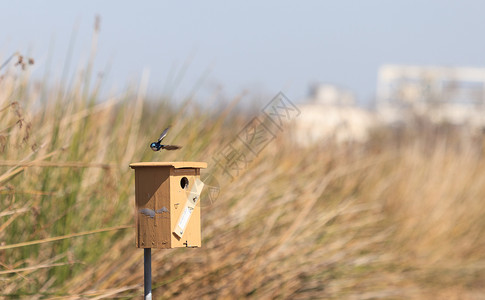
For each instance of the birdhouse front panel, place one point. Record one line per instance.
(185, 217)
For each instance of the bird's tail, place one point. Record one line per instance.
(171, 147)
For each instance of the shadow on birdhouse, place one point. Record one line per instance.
(167, 198)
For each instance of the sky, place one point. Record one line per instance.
(262, 47)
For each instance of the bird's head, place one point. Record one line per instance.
(154, 146)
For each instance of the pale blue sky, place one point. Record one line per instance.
(261, 46)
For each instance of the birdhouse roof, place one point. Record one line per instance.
(173, 164)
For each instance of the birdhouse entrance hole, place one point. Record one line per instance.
(184, 183)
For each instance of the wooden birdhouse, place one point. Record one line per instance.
(167, 204)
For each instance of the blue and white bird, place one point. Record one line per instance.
(157, 146)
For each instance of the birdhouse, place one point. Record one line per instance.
(167, 204)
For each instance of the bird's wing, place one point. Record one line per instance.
(171, 147)
(164, 134)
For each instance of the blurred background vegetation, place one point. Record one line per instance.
(399, 216)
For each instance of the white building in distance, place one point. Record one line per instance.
(331, 114)
(441, 94)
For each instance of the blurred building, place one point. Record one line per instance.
(329, 94)
(441, 94)
(330, 113)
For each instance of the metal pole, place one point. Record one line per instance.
(147, 260)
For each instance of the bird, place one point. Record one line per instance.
(157, 146)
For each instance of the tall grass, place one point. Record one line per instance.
(401, 216)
